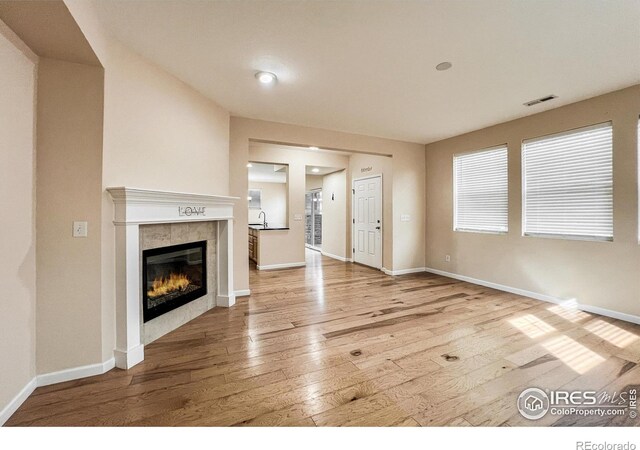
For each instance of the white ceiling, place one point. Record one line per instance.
(368, 67)
(267, 173)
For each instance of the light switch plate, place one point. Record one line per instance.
(80, 229)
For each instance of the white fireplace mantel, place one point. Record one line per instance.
(135, 207)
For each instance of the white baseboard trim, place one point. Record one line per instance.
(75, 373)
(243, 293)
(339, 258)
(129, 358)
(609, 313)
(226, 301)
(500, 287)
(18, 400)
(402, 271)
(282, 266)
(545, 298)
(47, 379)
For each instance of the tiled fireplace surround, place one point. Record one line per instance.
(164, 235)
(146, 219)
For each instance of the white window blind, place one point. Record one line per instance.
(480, 191)
(568, 184)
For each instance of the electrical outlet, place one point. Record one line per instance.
(80, 229)
(447, 258)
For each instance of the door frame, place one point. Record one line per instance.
(310, 246)
(353, 220)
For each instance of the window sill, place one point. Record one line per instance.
(569, 237)
(465, 230)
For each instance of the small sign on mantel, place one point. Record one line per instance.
(192, 211)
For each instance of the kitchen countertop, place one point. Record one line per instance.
(260, 227)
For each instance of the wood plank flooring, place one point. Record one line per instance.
(340, 344)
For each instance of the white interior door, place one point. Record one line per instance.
(367, 209)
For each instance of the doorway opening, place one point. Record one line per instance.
(268, 209)
(325, 207)
(313, 219)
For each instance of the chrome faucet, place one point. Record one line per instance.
(262, 213)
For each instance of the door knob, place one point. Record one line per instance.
(377, 228)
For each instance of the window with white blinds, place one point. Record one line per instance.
(568, 184)
(480, 191)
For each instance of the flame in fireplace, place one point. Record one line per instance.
(165, 285)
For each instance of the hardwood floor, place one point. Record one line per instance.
(341, 344)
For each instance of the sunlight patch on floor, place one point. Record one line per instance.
(611, 333)
(531, 326)
(571, 314)
(575, 355)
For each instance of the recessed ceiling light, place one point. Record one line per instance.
(315, 170)
(313, 147)
(249, 165)
(266, 77)
(444, 66)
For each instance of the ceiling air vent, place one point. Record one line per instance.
(540, 100)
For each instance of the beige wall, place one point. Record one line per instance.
(313, 182)
(276, 247)
(597, 274)
(69, 165)
(335, 215)
(159, 133)
(274, 204)
(407, 186)
(17, 220)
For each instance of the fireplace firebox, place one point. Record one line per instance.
(172, 276)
